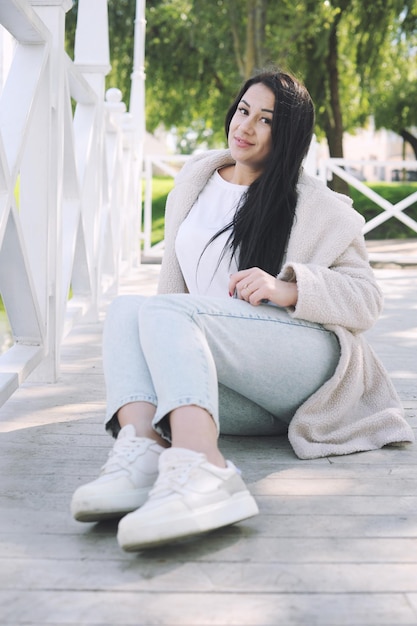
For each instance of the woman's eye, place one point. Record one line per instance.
(266, 120)
(243, 110)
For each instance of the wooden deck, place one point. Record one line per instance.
(335, 543)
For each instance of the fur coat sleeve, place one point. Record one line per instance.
(358, 408)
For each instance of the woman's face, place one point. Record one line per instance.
(250, 132)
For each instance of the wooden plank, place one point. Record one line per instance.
(233, 545)
(111, 608)
(170, 576)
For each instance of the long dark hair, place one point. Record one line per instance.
(263, 221)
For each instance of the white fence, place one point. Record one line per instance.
(70, 164)
(340, 167)
(323, 169)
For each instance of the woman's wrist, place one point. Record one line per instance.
(287, 294)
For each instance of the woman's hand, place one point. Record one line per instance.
(257, 287)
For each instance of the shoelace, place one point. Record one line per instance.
(174, 478)
(122, 453)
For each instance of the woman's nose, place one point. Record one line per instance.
(247, 124)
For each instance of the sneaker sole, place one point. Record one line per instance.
(99, 508)
(133, 536)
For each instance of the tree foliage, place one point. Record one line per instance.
(189, 64)
(198, 53)
(393, 99)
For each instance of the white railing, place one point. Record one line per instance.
(76, 223)
(336, 166)
(323, 169)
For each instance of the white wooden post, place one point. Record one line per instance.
(24, 105)
(137, 106)
(41, 188)
(137, 92)
(91, 58)
(113, 223)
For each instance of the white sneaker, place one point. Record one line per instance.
(124, 481)
(190, 496)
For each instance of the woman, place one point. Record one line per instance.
(267, 292)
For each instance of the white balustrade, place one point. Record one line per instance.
(323, 169)
(340, 167)
(76, 225)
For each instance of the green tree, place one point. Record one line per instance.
(393, 100)
(338, 47)
(186, 83)
(341, 49)
(198, 52)
(247, 24)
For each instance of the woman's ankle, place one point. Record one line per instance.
(193, 428)
(140, 416)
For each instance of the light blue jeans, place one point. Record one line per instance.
(249, 367)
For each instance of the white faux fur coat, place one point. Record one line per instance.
(358, 408)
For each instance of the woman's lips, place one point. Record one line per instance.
(241, 143)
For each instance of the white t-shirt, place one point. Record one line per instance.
(213, 209)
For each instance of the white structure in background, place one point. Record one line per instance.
(373, 156)
(76, 225)
(375, 146)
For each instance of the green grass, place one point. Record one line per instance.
(161, 186)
